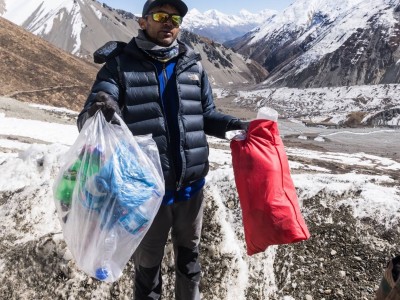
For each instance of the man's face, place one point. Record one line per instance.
(162, 34)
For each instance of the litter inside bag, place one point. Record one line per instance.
(107, 195)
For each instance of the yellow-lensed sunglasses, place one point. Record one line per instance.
(164, 17)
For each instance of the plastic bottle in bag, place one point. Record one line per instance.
(91, 165)
(105, 268)
(66, 185)
(91, 162)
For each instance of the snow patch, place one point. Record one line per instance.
(359, 159)
(325, 105)
(97, 12)
(44, 131)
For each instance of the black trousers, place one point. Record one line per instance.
(185, 221)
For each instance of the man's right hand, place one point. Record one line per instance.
(107, 104)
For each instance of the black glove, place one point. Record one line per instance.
(237, 124)
(108, 106)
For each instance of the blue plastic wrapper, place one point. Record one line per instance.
(107, 195)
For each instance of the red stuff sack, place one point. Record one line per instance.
(270, 209)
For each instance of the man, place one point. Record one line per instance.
(164, 91)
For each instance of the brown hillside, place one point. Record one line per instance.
(33, 70)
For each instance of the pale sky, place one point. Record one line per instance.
(227, 7)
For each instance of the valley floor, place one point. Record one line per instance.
(348, 187)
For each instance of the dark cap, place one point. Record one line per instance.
(178, 4)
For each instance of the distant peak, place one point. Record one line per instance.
(213, 12)
(194, 11)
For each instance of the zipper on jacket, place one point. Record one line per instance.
(162, 102)
(179, 183)
(182, 155)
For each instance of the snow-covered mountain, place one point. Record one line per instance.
(221, 27)
(328, 43)
(84, 25)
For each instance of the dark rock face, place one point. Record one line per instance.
(369, 55)
(388, 117)
(224, 65)
(356, 62)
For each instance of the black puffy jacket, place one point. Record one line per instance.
(132, 79)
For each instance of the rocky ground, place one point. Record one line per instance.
(343, 259)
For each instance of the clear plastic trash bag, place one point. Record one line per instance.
(107, 194)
